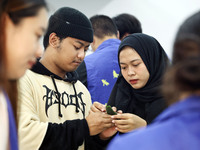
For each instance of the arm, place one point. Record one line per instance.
(101, 140)
(68, 135)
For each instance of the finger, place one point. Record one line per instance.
(123, 127)
(120, 122)
(94, 109)
(119, 111)
(99, 106)
(122, 130)
(114, 109)
(120, 116)
(107, 125)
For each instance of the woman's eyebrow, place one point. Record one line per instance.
(131, 61)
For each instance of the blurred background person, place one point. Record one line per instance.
(22, 24)
(187, 39)
(127, 24)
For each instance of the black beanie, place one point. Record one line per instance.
(69, 22)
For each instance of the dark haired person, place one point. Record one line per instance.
(187, 41)
(22, 24)
(127, 24)
(54, 107)
(99, 71)
(136, 92)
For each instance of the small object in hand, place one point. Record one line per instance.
(109, 110)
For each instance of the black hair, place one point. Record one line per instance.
(103, 26)
(182, 77)
(127, 23)
(187, 41)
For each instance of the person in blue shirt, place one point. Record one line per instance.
(99, 70)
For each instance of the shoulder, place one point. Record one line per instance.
(81, 86)
(31, 78)
(152, 137)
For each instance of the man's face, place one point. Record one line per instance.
(70, 53)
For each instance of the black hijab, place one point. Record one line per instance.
(146, 102)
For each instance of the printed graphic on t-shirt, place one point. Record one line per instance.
(105, 83)
(65, 100)
(115, 75)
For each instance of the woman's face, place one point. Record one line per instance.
(133, 68)
(22, 43)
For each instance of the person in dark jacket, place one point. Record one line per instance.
(142, 62)
(54, 107)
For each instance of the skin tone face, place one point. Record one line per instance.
(133, 68)
(22, 42)
(68, 54)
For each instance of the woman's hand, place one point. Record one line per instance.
(127, 122)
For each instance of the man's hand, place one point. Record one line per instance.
(98, 122)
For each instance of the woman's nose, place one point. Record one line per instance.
(39, 52)
(131, 71)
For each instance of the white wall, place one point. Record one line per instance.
(159, 18)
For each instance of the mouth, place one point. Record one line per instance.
(31, 63)
(77, 62)
(134, 81)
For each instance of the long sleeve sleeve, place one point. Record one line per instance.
(68, 135)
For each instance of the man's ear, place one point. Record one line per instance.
(118, 34)
(93, 44)
(54, 40)
(125, 35)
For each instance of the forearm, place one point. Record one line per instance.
(69, 135)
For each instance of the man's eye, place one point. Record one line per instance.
(123, 68)
(77, 48)
(86, 49)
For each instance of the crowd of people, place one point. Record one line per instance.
(53, 97)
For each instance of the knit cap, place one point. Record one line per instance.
(69, 22)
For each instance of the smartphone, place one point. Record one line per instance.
(109, 110)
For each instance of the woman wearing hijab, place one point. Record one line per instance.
(142, 62)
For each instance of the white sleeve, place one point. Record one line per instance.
(31, 131)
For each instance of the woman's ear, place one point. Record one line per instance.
(125, 35)
(54, 40)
